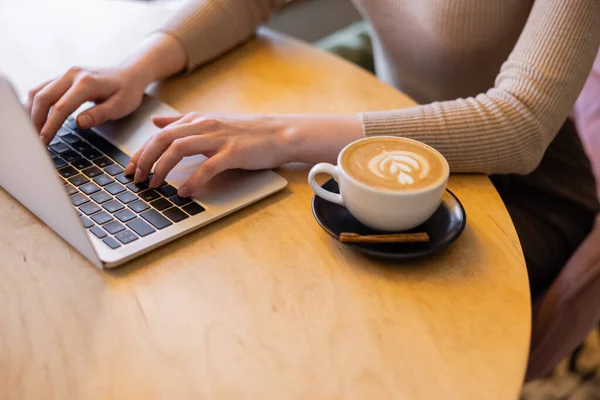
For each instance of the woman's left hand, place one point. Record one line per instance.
(249, 142)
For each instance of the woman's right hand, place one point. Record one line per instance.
(116, 91)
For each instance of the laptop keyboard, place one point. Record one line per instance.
(111, 206)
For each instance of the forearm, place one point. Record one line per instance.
(209, 28)
(158, 57)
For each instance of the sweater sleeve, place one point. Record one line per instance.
(508, 128)
(208, 28)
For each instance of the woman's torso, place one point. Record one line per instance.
(436, 50)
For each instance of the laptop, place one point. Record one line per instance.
(77, 187)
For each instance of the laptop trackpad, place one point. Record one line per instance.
(229, 189)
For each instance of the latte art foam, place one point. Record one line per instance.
(394, 163)
(404, 166)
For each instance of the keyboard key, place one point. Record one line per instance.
(78, 180)
(102, 217)
(126, 236)
(71, 139)
(100, 234)
(113, 170)
(138, 206)
(140, 227)
(113, 206)
(112, 243)
(51, 154)
(125, 215)
(59, 148)
(89, 188)
(127, 197)
(193, 208)
(114, 189)
(79, 199)
(147, 181)
(161, 204)
(156, 219)
(71, 190)
(137, 187)
(104, 146)
(92, 172)
(103, 180)
(82, 163)
(113, 227)
(103, 162)
(89, 208)
(71, 156)
(71, 124)
(125, 179)
(59, 162)
(63, 131)
(54, 141)
(175, 214)
(67, 172)
(101, 197)
(167, 191)
(149, 195)
(86, 222)
(82, 147)
(91, 154)
(180, 201)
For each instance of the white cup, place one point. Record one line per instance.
(380, 209)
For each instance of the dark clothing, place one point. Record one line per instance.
(553, 208)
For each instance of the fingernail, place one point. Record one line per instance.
(84, 121)
(154, 182)
(129, 169)
(184, 191)
(138, 175)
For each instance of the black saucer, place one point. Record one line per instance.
(444, 227)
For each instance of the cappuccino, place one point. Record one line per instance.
(397, 164)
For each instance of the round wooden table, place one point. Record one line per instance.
(263, 304)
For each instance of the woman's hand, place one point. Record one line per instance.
(116, 91)
(249, 142)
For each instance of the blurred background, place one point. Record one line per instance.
(326, 17)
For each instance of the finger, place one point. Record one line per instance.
(179, 149)
(211, 167)
(32, 93)
(46, 97)
(162, 121)
(132, 166)
(100, 113)
(157, 146)
(68, 103)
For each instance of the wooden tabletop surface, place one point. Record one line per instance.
(262, 304)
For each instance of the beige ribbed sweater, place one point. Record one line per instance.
(497, 78)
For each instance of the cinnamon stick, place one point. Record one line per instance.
(420, 237)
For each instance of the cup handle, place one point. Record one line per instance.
(325, 168)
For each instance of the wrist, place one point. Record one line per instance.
(319, 138)
(157, 58)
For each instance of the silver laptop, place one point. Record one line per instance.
(77, 187)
